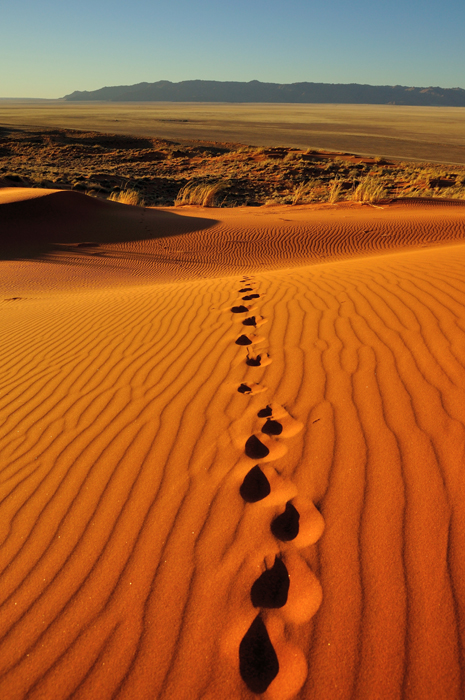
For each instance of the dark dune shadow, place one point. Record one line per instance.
(35, 227)
(271, 589)
(258, 663)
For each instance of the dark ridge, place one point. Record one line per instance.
(244, 389)
(272, 427)
(270, 590)
(255, 486)
(245, 289)
(88, 245)
(250, 297)
(255, 449)
(285, 527)
(249, 321)
(257, 91)
(265, 412)
(254, 361)
(258, 663)
(243, 340)
(239, 309)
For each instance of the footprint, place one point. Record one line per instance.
(278, 414)
(293, 664)
(272, 427)
(281, 491)
(258, 663)
(265, 412)
(244, 389)
(285, 527)
(251, 388)
(254, 321)
(243, 340)
(255, 486)
(259, 361)
(246, 340)
(249, 297)
(245, 289)
(311, 523)
(255, 449)
(305, 592)
(271, 589)
(239, 309)
(265, 448)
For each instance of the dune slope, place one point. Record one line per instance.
(244, 485)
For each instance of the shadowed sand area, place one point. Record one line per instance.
(185, 516)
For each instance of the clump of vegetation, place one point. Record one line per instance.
(302, 192)
(154, 172)
(127, 197)
(369, 190)
(334, 191)
(201, 194)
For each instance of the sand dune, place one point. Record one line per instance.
(183, 515)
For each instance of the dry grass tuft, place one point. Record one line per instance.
(127, 197)
(302, 192)
(369, 190)
(334, 191)
(203, 194)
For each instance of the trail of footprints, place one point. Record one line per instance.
(299, 525)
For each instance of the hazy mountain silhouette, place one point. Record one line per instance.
(255, 91)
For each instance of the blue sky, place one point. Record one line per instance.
(53, 47)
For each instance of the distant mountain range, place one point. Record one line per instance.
(255, 91)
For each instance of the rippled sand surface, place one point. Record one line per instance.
(231, 451)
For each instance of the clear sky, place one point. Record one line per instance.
(49, 48)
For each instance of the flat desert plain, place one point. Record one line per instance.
(433, 134)
(232, 451)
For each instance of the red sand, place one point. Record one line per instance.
(128, 552)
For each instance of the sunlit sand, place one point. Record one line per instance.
(231, 450)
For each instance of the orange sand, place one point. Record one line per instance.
(128, 553)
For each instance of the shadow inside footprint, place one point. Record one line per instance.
(243, 340)
(272, 427)
(250, 296)
(239, 309)
(254, 361)
(285, 527)
(255, 486)
(245, 289)
(249, 321)
(270, 590)
(255, 449)
(244, 389)
(265, 412)
(258, 663)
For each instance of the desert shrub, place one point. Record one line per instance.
(302, 192)
(202, 194)
(334, 192)
(127, 197)
(369, 190)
